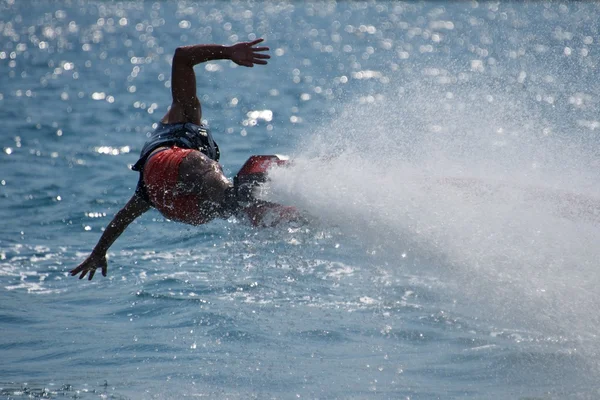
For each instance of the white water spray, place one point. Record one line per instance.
(505, 211)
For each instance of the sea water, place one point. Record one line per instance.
(445, 155)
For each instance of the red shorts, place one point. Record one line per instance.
(161, 177)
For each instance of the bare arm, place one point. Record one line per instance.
(186, 106)
(135, 207)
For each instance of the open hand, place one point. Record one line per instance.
(246, 55)
(90, 265)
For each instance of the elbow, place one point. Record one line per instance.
(181, 56)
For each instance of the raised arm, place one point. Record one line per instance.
(135, 207)
(186, 106)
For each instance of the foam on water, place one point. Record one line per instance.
(472, 187)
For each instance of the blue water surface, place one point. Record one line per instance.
(380, 296)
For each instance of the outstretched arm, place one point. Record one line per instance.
(186, 106)
(135, 207)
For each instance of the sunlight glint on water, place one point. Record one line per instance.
(447, 154)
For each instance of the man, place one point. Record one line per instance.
(179, 171)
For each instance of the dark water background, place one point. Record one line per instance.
(399, 288)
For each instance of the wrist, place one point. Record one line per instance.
(98, 253)
(227, 52)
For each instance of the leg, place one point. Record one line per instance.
(203, 177)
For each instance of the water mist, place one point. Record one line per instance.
(493, 194)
